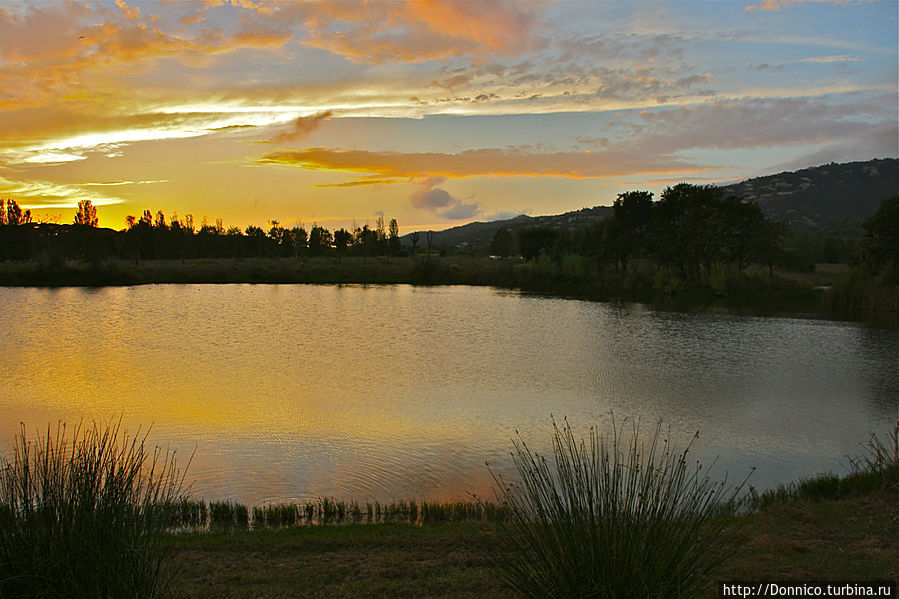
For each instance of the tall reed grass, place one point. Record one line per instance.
(81, 512)
(611, 518)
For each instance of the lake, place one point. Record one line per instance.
(294, 392)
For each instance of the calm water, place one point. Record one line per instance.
(377, 393)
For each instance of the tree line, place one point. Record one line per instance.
(155, 236)
(692, 229)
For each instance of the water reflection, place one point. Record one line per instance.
(381, 393)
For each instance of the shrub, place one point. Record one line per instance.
(610, 519)
(81, 515)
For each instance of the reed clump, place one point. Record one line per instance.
(82, 512)
(611, 518)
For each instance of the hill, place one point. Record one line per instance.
(477, 235)
(832, 198)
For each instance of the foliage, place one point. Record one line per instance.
(11, 214)
(81, 514)
(87, 214)
(882, 237)
(611, 518)
(503, 243)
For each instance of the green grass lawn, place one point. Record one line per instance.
(853, 538)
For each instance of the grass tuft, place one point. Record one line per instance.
(82, 512)
(611, 518)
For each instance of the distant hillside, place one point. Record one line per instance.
(833, 198)
(477, 235)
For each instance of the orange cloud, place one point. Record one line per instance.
(421, 30)
(49, 53)
(502, 26)
(131, 12)
(247, 4)
(777, 5)
(482, 162)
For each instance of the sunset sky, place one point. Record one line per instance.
(434, 112)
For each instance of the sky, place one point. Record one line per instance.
(433, 112)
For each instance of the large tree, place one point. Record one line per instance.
(87, 214)
(631, 225)
(882, 236)
(503, 243)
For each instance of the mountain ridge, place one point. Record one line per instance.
(832, 198)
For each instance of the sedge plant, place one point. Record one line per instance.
(610, 518)
(81, 514)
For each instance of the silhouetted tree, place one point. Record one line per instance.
(320, 241)
(367, 241)
(394, 247)
(881, 243)
(256, 239)
(300, 241)
(342, 238)
(503, 243)
(534, 241)
(380, 236)
(632, 222)
(87, 214)
(15, 215)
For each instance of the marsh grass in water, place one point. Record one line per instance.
(82, 512)
(611, 518)
(329, 511)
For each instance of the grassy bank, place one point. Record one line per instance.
(825, 291)
(823, 528)
(854, 537)
(91, 512)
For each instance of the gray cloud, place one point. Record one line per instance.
(460, 211)
(440, 202)
(756, 123)
(302, 127)
(432, 198)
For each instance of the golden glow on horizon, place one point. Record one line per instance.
(194, 93)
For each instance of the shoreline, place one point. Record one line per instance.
(855, 537)
(823, 294)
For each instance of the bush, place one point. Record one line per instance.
(81, 516)
(611, 519)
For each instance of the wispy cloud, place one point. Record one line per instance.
(482, 162)
(119, 183)
(302, 126)
(830, 59)
(421, 30)
(33, 194)
(778, 5)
